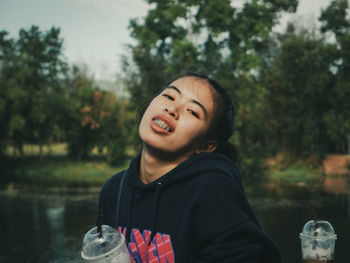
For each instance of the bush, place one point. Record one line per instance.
(116, 151)
(252, 169)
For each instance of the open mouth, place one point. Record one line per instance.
(162, 124)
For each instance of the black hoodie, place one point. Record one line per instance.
(197, 212)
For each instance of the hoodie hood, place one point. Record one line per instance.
(188, 169)
(214, 162)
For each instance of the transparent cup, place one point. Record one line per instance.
(110, 247)
(317, 241)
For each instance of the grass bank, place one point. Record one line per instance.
(284, 170)
(55, 171)
(288, 178)
(296, 174)
(58, 171)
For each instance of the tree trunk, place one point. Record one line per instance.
(2, 149)
(41, 155)
(21, 152)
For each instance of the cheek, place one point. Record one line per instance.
(147, 116)
(150, 108)
(143, 122)
(195, 130)
(148, 111)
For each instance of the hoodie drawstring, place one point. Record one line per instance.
(153, 227)
(119, 195)
(128, 226)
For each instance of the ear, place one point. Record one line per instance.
(210, 146)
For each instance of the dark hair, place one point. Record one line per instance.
(221, 127)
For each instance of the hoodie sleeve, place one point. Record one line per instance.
(243, 244)
(227, 225)
(107, 200)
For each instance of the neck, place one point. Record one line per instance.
(153, 166)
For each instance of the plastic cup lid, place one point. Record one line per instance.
(95, 246)
(322, 230)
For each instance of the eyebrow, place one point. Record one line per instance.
(193, 101)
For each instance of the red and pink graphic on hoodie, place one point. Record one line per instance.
(159, 250)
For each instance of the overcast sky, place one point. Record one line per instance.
(95, 31)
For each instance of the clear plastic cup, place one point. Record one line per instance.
(110, 247)
(318, 241)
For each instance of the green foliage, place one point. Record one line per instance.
(334, 19)
(183, 53)
(300, 86)
(290, 90)
(93, 118)
(41, 101)
(308, 89)
(116, 132)
(179, 36)
(60, 173)
(116, 151)
(79, 94)
(296, 174)
(214, 37)
(31, 70)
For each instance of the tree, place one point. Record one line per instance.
(300, 83)
(116, 132)
(93, 118)
(78, 121)
(6, 54)
(213, 37)
(334, 20)
(31, 69)
(216, 37)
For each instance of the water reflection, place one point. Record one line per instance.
(338, 185)
(285, 209)
(55, 216)
(44, 228)
(39, 228)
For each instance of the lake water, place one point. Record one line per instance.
(50, 228)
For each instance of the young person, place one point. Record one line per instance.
(181, 199)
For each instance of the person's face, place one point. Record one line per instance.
(176, 121)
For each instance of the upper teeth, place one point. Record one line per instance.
(162, 124)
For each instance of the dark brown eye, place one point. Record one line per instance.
(194, 113)
(168, 97)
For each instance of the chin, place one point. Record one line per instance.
(164, 152)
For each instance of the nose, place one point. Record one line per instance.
(172, 111)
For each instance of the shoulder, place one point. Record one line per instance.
(219, 201)
(111, 184)
(217, 188)
(212, 163)
(108, 198)
(220, 180)
(211, 174)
